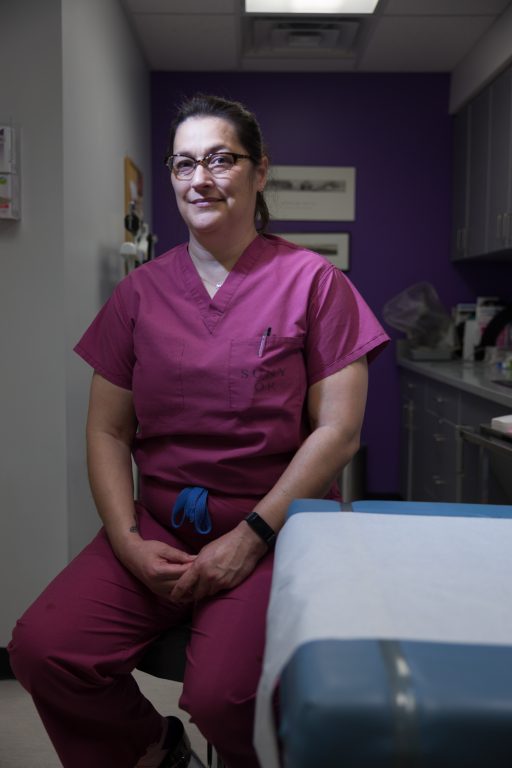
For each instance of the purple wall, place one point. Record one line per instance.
(395, 129)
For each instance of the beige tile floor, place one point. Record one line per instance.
(23, 740)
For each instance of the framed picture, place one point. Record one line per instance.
(133, 192)
(335, 246)
(307, 193)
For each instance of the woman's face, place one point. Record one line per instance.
(213, 204)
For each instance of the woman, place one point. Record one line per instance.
(234, 369)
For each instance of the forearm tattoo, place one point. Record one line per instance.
(134, 528)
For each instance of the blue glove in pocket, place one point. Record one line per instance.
(192, 504)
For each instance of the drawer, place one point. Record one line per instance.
(476, 410)
(443, 402)
(412, 388)
(441, 433)
(439, 488)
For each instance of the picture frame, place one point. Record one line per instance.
(334, 246)
(311, 193)
(133, 192)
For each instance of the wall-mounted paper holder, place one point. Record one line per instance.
(9, 173)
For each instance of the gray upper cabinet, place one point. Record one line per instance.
(479, 126)
(460, 205)
(499, 234)
(482, 201)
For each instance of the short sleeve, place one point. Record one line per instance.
(341, 327)
(107, 345)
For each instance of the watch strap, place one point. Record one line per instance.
(262, 528)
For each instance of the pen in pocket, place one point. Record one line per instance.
(263, 341)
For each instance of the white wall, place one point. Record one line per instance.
(33, 529)
(78, 86)
(106, 116)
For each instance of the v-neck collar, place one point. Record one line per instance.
(213, 308)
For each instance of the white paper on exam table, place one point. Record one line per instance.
(376, 576)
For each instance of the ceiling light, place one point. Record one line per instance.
(310, 6)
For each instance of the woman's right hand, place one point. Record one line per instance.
(156, 564)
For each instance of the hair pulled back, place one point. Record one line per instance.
(247, 130)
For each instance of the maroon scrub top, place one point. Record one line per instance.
(219, 384)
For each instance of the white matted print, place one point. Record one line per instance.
(334, 246)
(307, 193)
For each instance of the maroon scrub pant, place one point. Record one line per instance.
(76, 646)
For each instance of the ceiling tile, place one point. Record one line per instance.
(268, 64)
(445, 7)
(194, 43)
(212, 7)
(407, 43)
(404, 35)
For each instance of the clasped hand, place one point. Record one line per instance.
(222, 564)
(158, 565)
(182, 578)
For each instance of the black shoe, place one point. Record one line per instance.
(180, 754)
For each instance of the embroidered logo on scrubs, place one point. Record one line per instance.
(275, 378)
(265, 380)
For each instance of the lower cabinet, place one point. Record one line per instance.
(428, 439)
(485, 476)
(436, 463)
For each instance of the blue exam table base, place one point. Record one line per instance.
(385, 704)
(340, 706)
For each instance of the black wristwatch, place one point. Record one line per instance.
(263, 529)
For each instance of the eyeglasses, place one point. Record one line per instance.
(217, 163)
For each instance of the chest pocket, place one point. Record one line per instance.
(276, 379)
(157, 381)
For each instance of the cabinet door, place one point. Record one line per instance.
(500, 163)
(413, 409)
(460, 198)
(428, 457)
(478, 173)
(484, 477)
(439, 475)
(440, 466)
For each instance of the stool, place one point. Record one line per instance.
(166, 658)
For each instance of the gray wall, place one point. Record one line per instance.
(78, 88)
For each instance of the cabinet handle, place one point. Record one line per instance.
(506, 226)
(499, 228)
(438, 480)
(439, 438)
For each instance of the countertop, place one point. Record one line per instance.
(476, 378)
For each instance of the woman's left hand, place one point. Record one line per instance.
(221, 564)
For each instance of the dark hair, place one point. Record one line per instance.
(247, 129)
